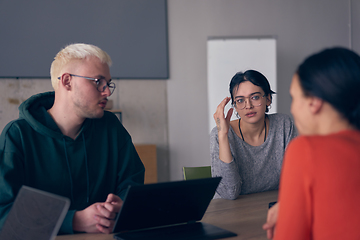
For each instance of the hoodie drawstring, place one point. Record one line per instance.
(87, 172)
(68, 165)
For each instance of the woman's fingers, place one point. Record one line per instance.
(222, 122)
(223, 103)
(220, 108)
(229, 114)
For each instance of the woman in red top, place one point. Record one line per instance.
(319, 196)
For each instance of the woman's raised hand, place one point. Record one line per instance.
(222, 122)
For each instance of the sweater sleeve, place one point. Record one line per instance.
(67, 224)
(230, 185)
(10, 182)
(11, 172)
(295, 218)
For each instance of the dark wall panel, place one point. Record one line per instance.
(132, 32)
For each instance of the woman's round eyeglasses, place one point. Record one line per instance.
(254, 100)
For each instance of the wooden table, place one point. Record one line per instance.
(244, 216)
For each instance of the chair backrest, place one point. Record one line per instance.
(196, 172)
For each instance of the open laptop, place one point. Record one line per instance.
(169, 210)
(35, 214)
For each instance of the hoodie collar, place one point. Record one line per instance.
(34, 111)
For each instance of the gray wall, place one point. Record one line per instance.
(173, 113)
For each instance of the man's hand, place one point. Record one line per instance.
(98, 217)
(270, 224)
(113, 203)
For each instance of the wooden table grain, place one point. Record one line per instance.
(244, 216)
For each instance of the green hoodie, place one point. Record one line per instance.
(34, 152)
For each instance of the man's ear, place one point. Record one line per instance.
(65, 81)
(315, 104)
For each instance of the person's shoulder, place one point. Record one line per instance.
(13, 128)
(282, 120)
(109, 125)
(109, 118)
(320, 141)
(280, 117)
(303, 142)
(346, 137)
(110, 115)
(16, 124)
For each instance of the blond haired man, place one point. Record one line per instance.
(65, 143)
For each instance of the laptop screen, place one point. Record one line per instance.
(168, 203)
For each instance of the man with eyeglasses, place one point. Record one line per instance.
(65, 143)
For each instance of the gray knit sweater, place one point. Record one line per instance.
(253, 168)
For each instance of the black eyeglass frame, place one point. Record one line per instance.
(109, 84)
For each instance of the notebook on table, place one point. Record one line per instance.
(35, 214)
(169, 210)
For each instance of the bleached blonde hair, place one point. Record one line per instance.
(72, 52)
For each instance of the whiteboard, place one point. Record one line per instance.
(227, 56)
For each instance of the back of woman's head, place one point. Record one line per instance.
(334, 76)
(255, 78)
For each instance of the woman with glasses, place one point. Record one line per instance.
(319, 189)
(247, 153)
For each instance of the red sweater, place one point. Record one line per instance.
(320, 188)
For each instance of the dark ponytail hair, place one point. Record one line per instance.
(255, 78)
(334, 76)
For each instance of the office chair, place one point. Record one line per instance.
(196, 172)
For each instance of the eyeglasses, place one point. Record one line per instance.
(101, 83)
(254, 100)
